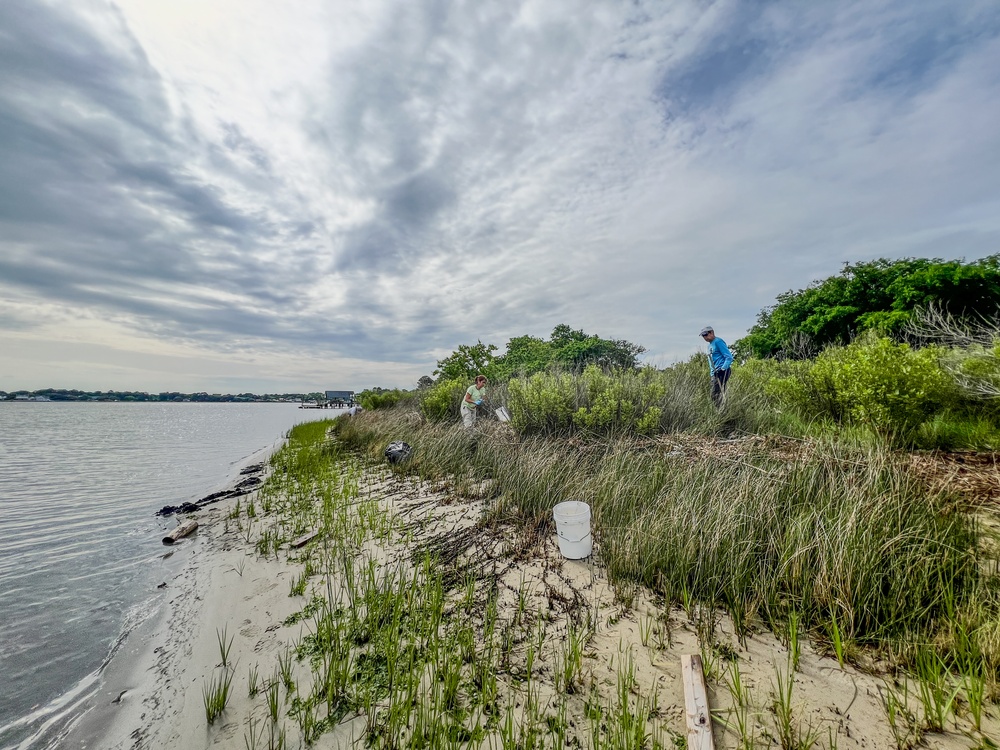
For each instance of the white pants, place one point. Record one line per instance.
(468, 416)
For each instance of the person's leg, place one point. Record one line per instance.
(468, 417)
(716, 390)
(719, 381)
(724, 378)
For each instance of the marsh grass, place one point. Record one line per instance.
(253, 681)
(271, 694)
(215, 694)
(742, 719)
(298, 584)
(845, 539)
(902, 720)
(841, 544)
(937, 689)
(225, 646)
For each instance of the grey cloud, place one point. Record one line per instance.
(408, 210)
(417, 199)
(46, 51)
(917, 45)
(95, 168)
(713, 77)
(201, 204)
(237, 141)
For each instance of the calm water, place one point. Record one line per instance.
(79, 544)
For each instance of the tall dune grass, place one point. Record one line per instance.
(848, 540)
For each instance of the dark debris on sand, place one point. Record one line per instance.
(243, 487)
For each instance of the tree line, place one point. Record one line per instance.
(66, 394)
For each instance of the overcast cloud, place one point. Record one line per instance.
(250, 195)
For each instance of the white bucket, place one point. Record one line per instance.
(502, 414)
(573, 529)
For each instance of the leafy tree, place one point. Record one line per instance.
(425, 381)
(878, 295)
(525, 355)
(569, 348)
(466, 362)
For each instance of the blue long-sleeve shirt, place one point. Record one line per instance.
(719, 356)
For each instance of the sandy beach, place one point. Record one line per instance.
(222, 589)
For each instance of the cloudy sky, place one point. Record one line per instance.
(231, 195)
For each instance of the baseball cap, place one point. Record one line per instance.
(706, 329)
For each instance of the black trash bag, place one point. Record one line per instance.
(398, 451)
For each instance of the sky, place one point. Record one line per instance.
(252, 195)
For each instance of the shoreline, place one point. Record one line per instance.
(123, 680)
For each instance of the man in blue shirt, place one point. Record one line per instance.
(720, 362)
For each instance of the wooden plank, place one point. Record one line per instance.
(699, 719)
(305, 539)
(181, 531)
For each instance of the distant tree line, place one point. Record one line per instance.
(63, 394)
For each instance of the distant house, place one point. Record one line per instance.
(341, 397)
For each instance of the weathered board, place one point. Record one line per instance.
(304, 539)
(699, 718)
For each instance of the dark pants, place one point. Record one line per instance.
(719, 380)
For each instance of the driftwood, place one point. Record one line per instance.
(244, 487)
(304, 539)
(181, 531)
(699, 719)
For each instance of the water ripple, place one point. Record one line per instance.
(79, 544)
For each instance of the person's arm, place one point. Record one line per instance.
(726, 354)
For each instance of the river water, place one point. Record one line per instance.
(79, 542)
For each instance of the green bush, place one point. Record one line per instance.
(642, 402)
(381, 398)
(544, 403)
(594, 402)
(873, 381)
(441, 401)
(622, 402)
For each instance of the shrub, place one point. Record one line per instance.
(442, 400)
(594, 402)
(874, 382)
(382, 399)
(544, 403)
(621, 403)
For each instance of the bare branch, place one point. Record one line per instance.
(935, 325)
